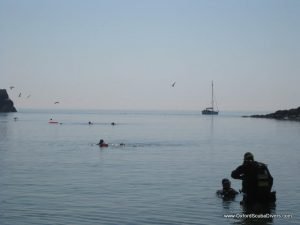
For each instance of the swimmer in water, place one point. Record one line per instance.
(227, 191)
(102, 143)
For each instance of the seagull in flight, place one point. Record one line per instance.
(173, 84)
(56, 102)
(11, 87)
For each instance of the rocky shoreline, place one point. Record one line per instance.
(288, 114)
(6, 105)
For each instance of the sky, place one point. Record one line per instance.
(125, 54)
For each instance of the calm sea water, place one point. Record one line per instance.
(167, 172)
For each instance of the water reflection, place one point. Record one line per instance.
(226, 203)
(3, 125)
(212, 126)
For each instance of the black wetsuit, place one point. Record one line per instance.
(250, 174)
(227, 193)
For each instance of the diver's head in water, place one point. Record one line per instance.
(226, 183)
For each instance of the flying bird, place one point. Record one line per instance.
(173, 84)
(56, 102)
(11, 87)
(20, 95)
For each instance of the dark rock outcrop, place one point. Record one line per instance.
(6, 105)
(290, 114)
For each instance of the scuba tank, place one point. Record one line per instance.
(264, 183)
(263, 177)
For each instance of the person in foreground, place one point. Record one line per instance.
(227, 192)
(257, 181)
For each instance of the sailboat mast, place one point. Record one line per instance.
(210, 110)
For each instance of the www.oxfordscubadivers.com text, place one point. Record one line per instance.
(258, 216)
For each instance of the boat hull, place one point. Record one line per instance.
(209, 112)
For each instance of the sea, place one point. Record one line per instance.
(166, 171)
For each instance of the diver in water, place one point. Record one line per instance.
(102, 143)
(227, 192)
(257, 181)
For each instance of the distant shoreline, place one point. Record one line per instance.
(288, 114)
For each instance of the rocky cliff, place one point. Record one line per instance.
(289, 114)
(6, 105)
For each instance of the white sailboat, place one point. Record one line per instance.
(210, 110)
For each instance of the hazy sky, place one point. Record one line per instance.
(125, 54)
